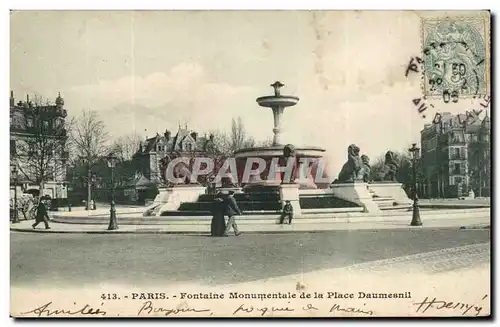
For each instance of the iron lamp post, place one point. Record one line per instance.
(415, 221)
(68, 188)
(93, 179)
(14, 173)
(112, 160)
(87, 162)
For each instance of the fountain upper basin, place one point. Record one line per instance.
(277, 101)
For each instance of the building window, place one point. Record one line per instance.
(458, 180)
(59, 123)
(12, 147)
(463, 153)
(456, 169)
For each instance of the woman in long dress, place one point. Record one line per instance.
(218, 226)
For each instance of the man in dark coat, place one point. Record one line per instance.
(287, 212)
(218, 226)
(41, 215)
(232, 210)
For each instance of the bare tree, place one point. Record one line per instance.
(38, 140)
(125, 146)
(89, 143)
(222, 142)
(228, 143)
(239, 137)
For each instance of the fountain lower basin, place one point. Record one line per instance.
(313, 177)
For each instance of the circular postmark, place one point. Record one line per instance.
(454, 55)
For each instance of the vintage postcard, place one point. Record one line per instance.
(250, 164)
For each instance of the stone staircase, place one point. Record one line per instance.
(387, 202)
(264, 201)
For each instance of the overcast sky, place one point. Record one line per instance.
(146, 71)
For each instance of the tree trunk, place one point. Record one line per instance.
(41, 186)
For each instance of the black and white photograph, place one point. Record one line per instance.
(250, 164)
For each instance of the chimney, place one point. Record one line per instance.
(12, 100)
(167, 135)
(28, 102)
(194, 135)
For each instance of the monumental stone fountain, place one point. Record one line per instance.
(266, 193)
(306, 157)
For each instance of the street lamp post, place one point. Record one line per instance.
(415, 221)
(14, 172)
(94, 181)
(113, 225)
(68, 188)
(87, 162)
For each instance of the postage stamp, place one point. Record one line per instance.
(456, 52)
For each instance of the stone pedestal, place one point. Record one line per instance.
(356, 192)
(290, 192)
(170, 198)
(390, 189)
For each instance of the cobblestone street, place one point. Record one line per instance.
(69, 260)
(433, 262)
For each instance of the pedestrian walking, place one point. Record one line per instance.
(231, 210)
(218, 226)
(287, 212)
(41, 214)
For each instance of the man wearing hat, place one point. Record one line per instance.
(232, 210)
(41, 213)
(287, 212)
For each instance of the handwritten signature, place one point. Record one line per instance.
(261, 310)
(46, 310)
(434, 303)
(148, 308)
(337, 307)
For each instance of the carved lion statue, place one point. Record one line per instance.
(352, 169)
(390, 167)
(289, 151)
(366, 168)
